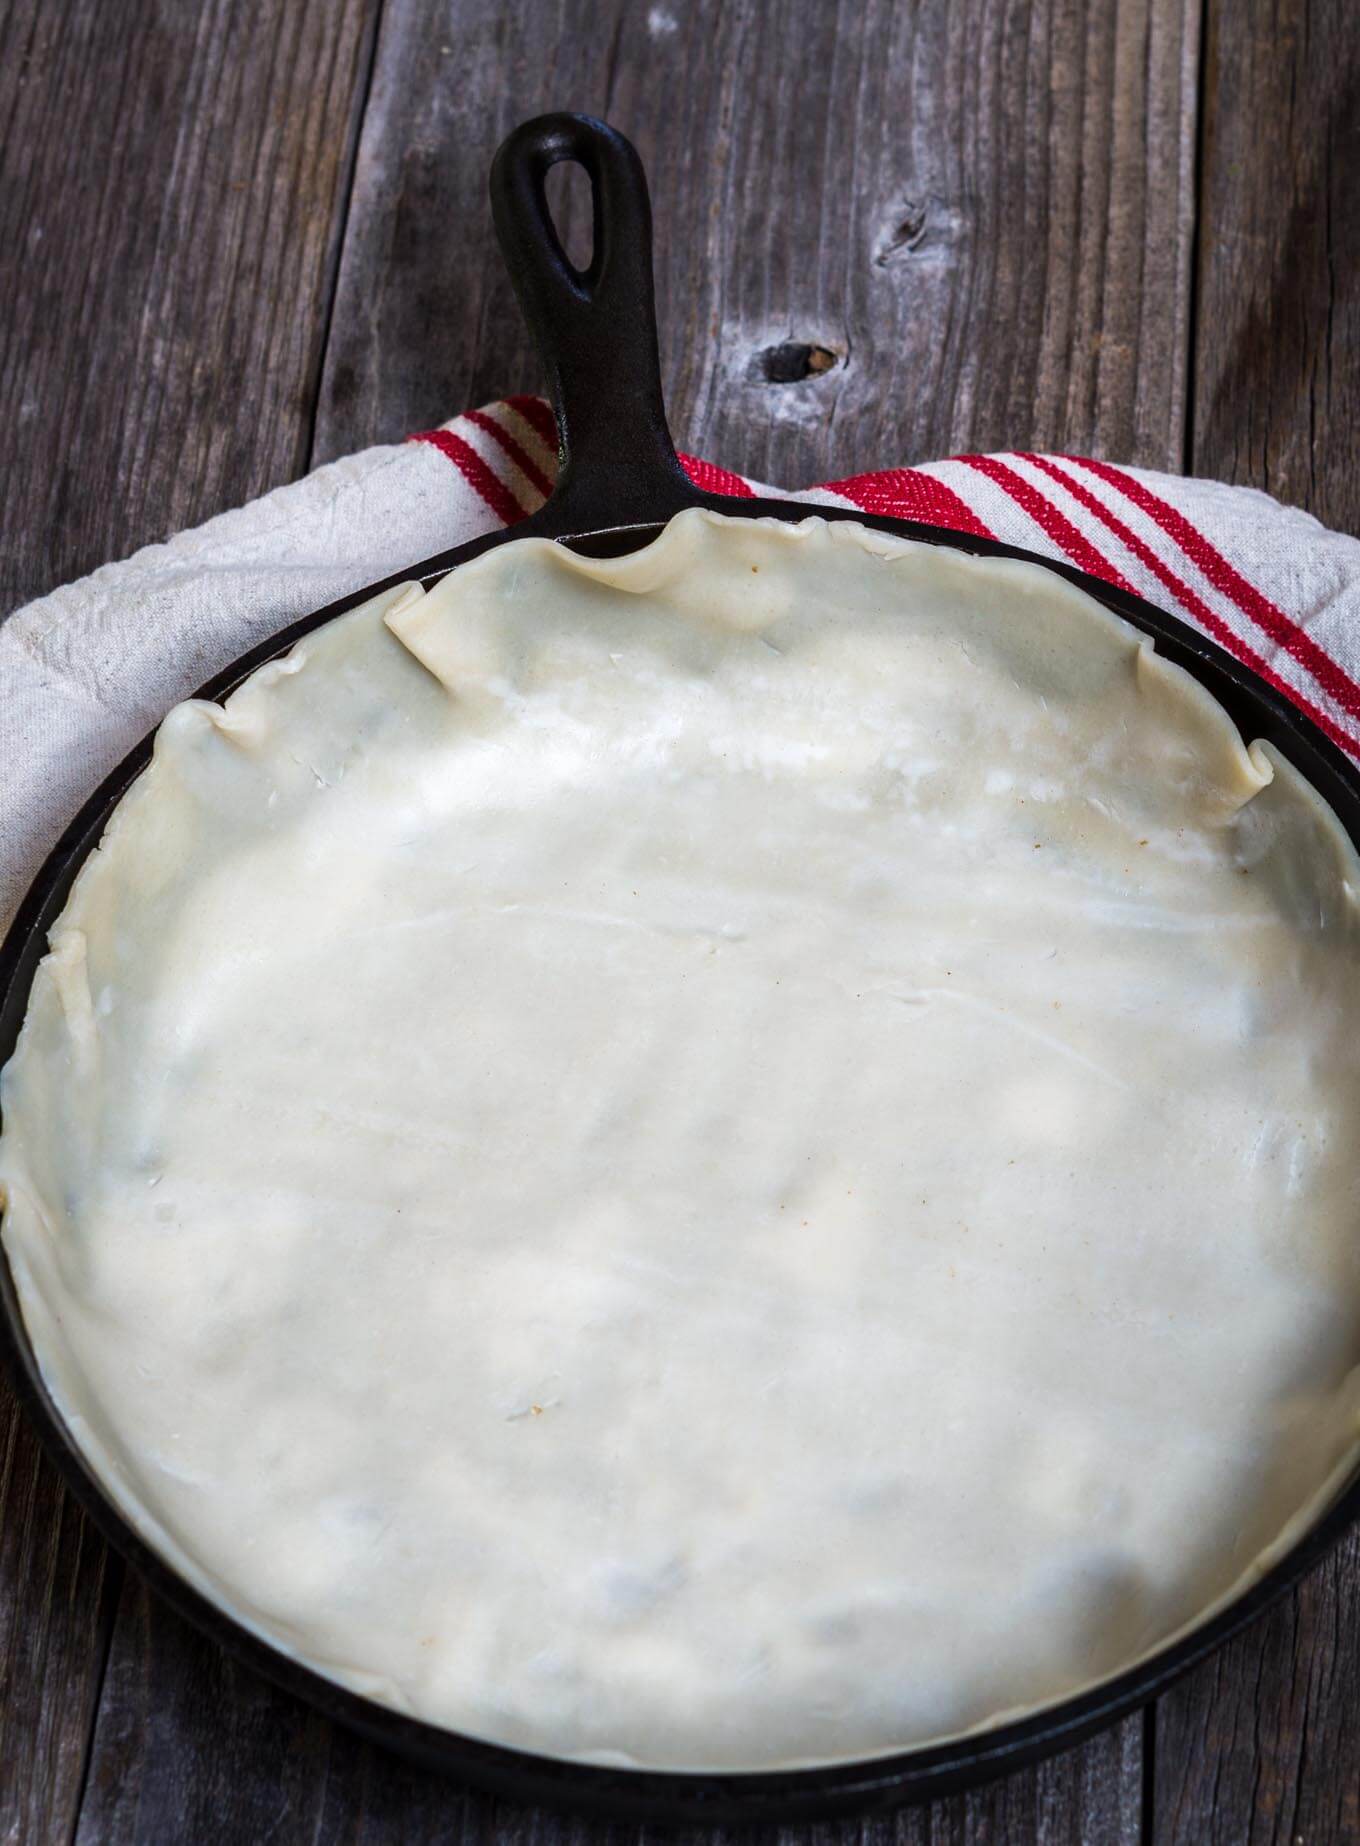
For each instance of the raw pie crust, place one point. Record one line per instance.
(740, 1156)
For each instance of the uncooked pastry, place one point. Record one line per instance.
(740, 1156)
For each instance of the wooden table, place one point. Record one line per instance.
(244, 236)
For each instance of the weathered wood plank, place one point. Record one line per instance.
(57, 1593)
(189, 1747)
(170, 180)
(171, 185)
(1277, 370)
(981, 210)
(1261, 1744)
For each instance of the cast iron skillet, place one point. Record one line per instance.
(619, 481)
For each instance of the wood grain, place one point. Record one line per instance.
(981, 210)
(57, 1592)
(170, 184)
(171, 188)
(189, 1747)
(1277, 362)
(1261, 1744)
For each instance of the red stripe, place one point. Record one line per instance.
(475, 471)
(908, 493)
(518, 454)
(1195, 604)
(1047, 517)
(539, 418)
(715, 480)
(1230, 582)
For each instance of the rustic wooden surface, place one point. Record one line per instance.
(244, 237)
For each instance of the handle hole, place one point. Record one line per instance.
(567, 188)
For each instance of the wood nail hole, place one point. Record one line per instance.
(794, 360)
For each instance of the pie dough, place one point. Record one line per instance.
(735, 1157)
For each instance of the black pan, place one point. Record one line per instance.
(618, 482)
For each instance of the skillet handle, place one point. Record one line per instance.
(595, 329)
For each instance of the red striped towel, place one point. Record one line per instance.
(88, 670)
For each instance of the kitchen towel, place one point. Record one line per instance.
(88, 670)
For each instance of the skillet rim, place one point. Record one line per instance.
(726, 1797)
